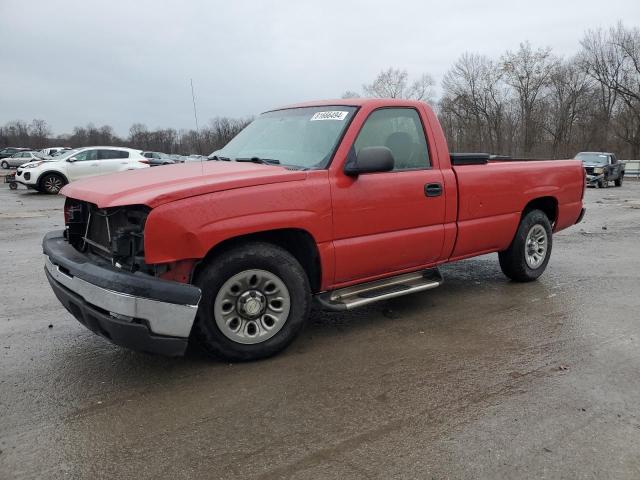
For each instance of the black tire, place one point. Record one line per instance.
(51, 183)
(250, 256)
(513, 261)
(5, 165)
(603, 184)
(618, 181)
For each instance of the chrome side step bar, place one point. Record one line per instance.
(365, 293)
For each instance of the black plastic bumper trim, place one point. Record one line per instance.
(135, 336)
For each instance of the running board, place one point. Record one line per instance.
(365, 293)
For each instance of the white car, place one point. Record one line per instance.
(20, 158)
(51, 175)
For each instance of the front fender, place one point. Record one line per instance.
(191, 227)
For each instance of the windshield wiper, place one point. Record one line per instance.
(264, 161)
(216, 157)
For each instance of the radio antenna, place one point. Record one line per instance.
(195, 115)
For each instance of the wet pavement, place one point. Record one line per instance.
(480, 378)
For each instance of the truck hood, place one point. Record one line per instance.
(158, 185)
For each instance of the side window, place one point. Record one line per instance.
(87, 155)
(112, 154)
(107, 154)
(400, 130)
(613, 159)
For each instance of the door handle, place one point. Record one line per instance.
(433, 189)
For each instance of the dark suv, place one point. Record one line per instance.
(602, 168)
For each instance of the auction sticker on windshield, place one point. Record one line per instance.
(331, 115)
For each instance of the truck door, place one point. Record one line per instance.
(391, 221)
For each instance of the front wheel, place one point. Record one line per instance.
(5, 165)
(529, 252)
(618, 181)
(52, 183)
(255, 301)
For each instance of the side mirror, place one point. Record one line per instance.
(71, 160)
(370, 160)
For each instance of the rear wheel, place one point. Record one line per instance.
(618, 181)
(255, 301)
(5, 165)
(52, 183)
(529, 252)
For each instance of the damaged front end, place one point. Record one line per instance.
(114, 234)
(594, 176)
(96, 267)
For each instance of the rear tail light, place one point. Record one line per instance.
(147, 162)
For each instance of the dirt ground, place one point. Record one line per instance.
(480, 378)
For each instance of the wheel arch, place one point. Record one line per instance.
(48, 172)
(298, 242)
(548, 205)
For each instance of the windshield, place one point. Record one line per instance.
(298, 137)
(63, 156)
(593, 158)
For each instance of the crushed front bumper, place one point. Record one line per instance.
(594, 180)
(133, 310)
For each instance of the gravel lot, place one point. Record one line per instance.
(481, 378)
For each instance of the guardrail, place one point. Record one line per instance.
(632, 168)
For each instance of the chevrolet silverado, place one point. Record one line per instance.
(344, 202)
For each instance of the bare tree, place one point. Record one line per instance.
(474, 92)
(528, 72)
(567, 103)
(39, 131)
(394, 83)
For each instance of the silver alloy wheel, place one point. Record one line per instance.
(52, 184)
(252, 306)
(536, 246)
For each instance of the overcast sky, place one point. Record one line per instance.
(118, 62)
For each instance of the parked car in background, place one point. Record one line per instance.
(602, 168)
(10, 151)
(20, 158)
(158, 158)
(50, 175)
(195, 158)
(52, 151)
(177, 158)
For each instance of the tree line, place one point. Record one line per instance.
(212, 136)
(528, 102)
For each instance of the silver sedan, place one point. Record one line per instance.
(20, 158)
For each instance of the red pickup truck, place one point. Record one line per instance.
(345, 202)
